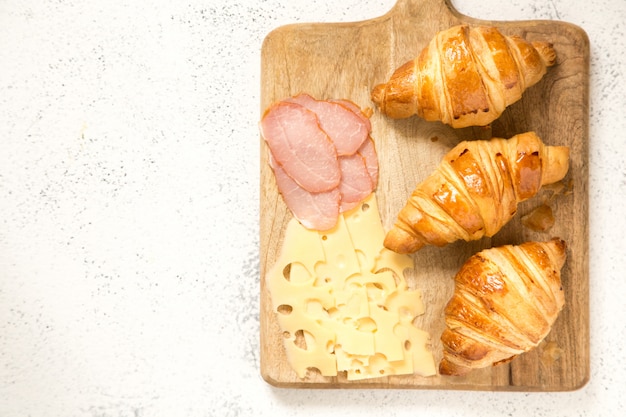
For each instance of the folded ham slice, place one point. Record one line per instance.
(356, 183)
(301, 148)
(368, 152)
(318, 211)
(343, 125)
(357, 110)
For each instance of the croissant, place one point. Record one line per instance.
(505, 302)
(475, 191)
(464, 77)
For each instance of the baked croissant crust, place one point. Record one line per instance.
(464, 77)
(475, 191)
(505, 302)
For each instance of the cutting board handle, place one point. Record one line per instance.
(435, 9)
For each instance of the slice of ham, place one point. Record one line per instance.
(346, 129)
(368, 152)
(301, 148)
(357, 110)
(317, 211)
(356, 183)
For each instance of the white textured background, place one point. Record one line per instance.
(129, 205)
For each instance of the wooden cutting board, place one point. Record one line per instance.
(346, 60)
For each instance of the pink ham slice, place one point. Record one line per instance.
(368, 152)
(346, 129)
(356, 110)
(356, 183)
(316, 211)
(301, 148)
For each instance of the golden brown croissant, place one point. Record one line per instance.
(464, 77)
(475, 191)
(505, 302)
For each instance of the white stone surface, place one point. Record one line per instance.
(129, 204)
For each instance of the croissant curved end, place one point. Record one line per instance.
(558, 247)
(546, 51)
(448, 368)
(378, 94)
(402, 242)
(557, 164)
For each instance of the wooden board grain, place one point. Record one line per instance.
(345, 60)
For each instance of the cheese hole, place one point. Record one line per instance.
(373, 290)
(299, 274)
(304, 340)
(365, 207)
(300, 341)
(287, 272)
(330, 346)
(349, 322)
(407, 345)
(324, 237)
(366, 324)
(285, 309)
(286, 335)
(313, 370)
(396, 278)
(340, 261)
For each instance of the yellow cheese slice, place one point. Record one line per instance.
(316, 352)
(406, 304)
(364, 225)
(385, 340)
(338, 249)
